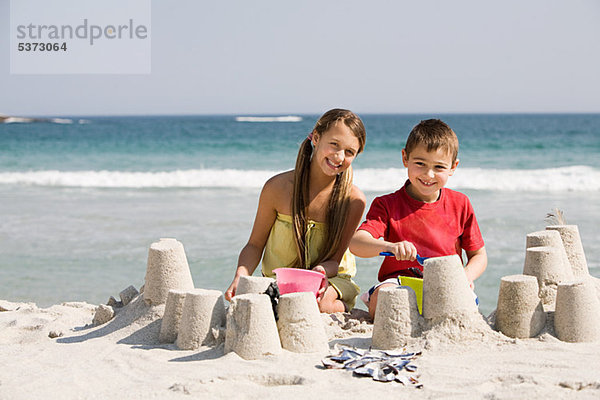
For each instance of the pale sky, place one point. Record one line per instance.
(283, 57)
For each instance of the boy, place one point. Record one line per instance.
(422, 217)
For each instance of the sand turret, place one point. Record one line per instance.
(251, 327)
(203, 311)
(253, 284)
(573, 247)
(300, 325)
(169, 326)
(546, 263)
(577, 315)
(551, 238)
(397, 318)
(167, 269)
(446, 291)
(520, 313)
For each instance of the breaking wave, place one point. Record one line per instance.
(573, 178)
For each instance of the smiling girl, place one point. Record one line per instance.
(307, 216)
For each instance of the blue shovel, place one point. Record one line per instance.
(420, 259)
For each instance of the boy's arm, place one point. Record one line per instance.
(363, 244)
(476, 264)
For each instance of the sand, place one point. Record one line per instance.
(123, 359)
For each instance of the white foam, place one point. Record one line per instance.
(575, 178)
(23, 120)
(286, 118)
(61, 120)
(121, 179)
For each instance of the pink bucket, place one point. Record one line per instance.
(292, 280)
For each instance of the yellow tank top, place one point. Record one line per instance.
(280, 249)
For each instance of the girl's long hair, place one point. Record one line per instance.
(339, 201)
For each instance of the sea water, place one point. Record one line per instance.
(81, 202)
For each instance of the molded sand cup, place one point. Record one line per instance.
(169, 326)
(446, 291)
(577, 315)
(551, 238)
(520, 313)
(300, 325)
(167, 269)
(546, 264)
(253, 284)
(251, 328)
(292, 280)
(396, 318)
(203, 311)
(573, 247)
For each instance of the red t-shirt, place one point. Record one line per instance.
(442, 228)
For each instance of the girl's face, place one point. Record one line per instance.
(335, 149)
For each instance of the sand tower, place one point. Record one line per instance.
(551, 238)
(300, 325)
(397, 318)
(203, 311)
(573, 247)
(167, 269)
(251, 328)
(253, 284)
(577, 315)
(520, 313)
(169, 326)
(547, 265)
(446, 291)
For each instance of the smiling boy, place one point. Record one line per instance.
(423, 217)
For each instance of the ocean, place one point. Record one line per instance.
(82, 198)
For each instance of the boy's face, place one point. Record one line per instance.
(428, 172)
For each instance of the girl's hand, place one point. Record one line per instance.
(230, 292)
(324, 284)
(404, 250)
(471, 284)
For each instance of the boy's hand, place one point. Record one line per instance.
(404, 250)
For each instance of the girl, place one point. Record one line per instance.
(306, 217)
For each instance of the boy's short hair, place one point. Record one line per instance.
(433, 134)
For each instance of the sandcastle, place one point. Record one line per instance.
(447, 300)
(198, 317)
(555, 280)
(564, 288)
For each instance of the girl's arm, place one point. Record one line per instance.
(476, 264)
(265, 217)
(357, 207)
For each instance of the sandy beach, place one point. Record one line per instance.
(124, 358)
